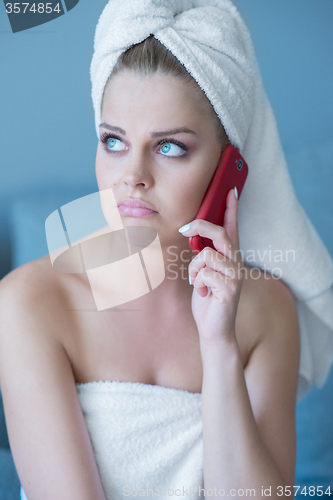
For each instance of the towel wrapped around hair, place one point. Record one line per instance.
(211, 40)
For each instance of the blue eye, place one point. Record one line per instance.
(111, 142)
(173, 146)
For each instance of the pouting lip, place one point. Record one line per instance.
(135, 203)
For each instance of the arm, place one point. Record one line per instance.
(249, 416)
(49, 440)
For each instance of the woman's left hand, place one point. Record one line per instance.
(217, 275)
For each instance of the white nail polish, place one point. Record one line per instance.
(189, 280)
(184, 228)
(236, 192)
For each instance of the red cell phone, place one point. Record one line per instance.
(231, 171)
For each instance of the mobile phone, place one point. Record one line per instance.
(231, 171)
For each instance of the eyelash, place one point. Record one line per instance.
(106, 136)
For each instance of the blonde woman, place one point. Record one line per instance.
(192, 385)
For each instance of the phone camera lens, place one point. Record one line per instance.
(240, 164)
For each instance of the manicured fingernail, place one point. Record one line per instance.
(184, 228)
(236, 192)
(189, 280)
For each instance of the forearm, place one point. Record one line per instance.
(235, 456)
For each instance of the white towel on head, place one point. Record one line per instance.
(211, 40)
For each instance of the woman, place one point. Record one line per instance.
(226, 346)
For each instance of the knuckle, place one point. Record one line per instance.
(222, 231)
(222, 257)
(199, 275)
(205, 272)
(207, 253)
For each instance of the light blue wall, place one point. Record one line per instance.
(47, 135)
(294, 46)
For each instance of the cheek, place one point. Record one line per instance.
(103, 173)
(98, 166)
(189, 194)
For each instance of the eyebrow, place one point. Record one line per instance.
(153, 134)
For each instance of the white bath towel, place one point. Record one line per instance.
(211, 40)
(144, 436)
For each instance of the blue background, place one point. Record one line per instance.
(48, 146)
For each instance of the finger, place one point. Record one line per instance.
(209, 258)
(218, 234)
(230, 219)
(209, 280)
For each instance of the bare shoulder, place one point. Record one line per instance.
(30, 279)
(38, 388)
(268, 305)
(34, 295)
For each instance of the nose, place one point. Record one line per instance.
(138, 171)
